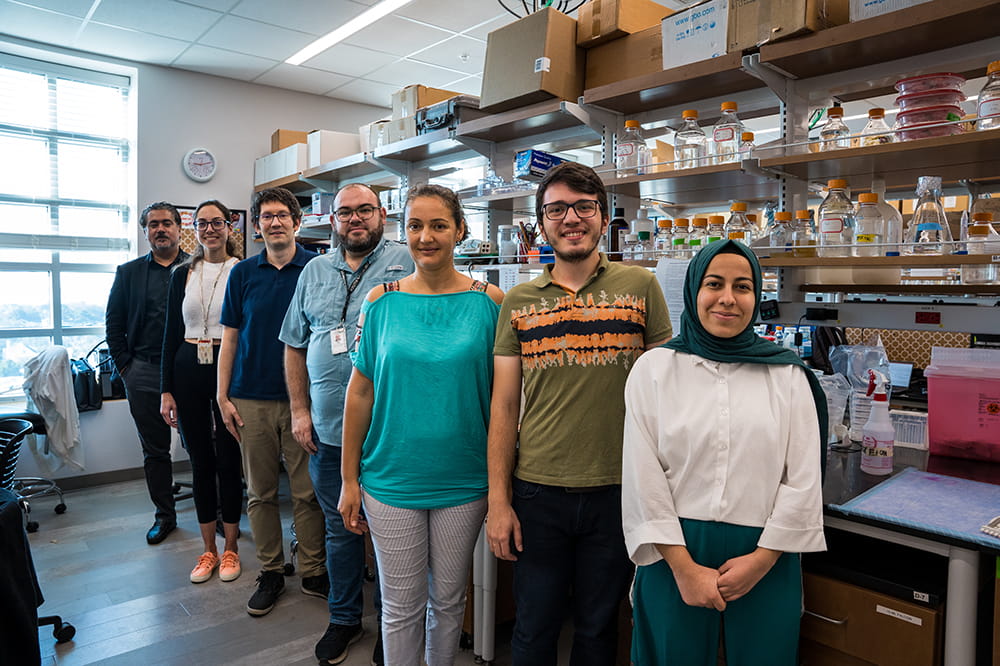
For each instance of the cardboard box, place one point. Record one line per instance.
(283, 138)
(863, 9)
(405, 102)
(322, 202)
(532, 164)
(402, 128)
(695, 34)
(532, 60)
(661, 157)
(638, 54)
(327, 145)
(600, 21)
(756, 22)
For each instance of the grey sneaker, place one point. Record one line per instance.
(333, 647)
(316, 586)
(270, 585)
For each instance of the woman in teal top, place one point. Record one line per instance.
(415, 424)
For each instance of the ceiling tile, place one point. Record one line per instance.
(482, 30)
(38, 25)
(397, 36)
(408, 72)
(129, 44)
(456, 16)
(366, 92)
(461, 53)
(315, 18)
(304, 79)
(217, 5)
(165, 18)
(223, 63)
(68, 7)
(233, 33)
(471, 85)
(350, 60)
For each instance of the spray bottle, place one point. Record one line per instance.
(878, 434)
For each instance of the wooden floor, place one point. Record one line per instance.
(132, 603)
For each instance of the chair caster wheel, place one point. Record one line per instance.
(60, 508)
(289, 569)
(32, 526)
(64, 633)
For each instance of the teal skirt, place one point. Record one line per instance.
(761, 627)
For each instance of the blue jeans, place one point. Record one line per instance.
(574, 558)
(345, 551)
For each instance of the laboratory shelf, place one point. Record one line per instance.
(552, 125)
(717, 184)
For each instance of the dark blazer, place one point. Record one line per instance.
(127, 308)
(173, 330)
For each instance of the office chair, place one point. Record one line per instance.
(30, 487)
(12, 432)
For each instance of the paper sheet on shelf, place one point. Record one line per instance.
(670, 274)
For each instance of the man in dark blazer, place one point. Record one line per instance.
(134, 323)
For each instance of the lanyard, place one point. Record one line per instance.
(353, 285)
(205, 307)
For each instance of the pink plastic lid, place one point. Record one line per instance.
(948, 108)
(958, 79)
(913, 97)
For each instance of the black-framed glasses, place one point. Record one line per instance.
(267, 218)
(216, 223)
(364, 212)
(584, 208)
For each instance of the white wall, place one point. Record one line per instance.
(179, 110)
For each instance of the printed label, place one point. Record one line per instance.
(899, 615)
(678, 241)
(831, 225)
(543, 64)
(865, 238)
(929, 226)
(989, 108)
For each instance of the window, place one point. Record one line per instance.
(65, 138)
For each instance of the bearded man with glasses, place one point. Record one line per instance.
(319, 332)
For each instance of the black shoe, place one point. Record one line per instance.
(332, 648)
(270, 585)
(378, 656)
(159, 531)
(316, 586)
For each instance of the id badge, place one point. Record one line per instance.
(205, 352)
(338, 340)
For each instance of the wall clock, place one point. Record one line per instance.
(199, 164)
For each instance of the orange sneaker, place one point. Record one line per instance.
(229, 569)
(202, 571)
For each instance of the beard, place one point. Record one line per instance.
(361, 246)
(577, 255)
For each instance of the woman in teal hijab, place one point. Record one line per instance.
(721, 479)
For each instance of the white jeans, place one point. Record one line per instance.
(424, 557)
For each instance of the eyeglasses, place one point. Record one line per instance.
(584, 208)
(216, 223)
(363, 212)
(267, 218)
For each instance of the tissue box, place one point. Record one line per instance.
(532, 164)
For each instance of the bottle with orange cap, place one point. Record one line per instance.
(738, 227)
(746, 146)
(982, 240)
(803, 235)
(698, 234)
(835, 134)
(780, 238)
(690, 142)
(631, 151)
(988, 105)
(836, 221)
(726, 135)
(869, 230)
(679, 238)
(716, 229)
(876, 132)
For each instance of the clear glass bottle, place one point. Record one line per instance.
(869, 231)
(679, 239)
(644, 247)
(631, 152)
(690, 142)
(836, 221)
(698, 234)
(876, 132)
(981, 235)
(928, 231)
(746, 146)
(835, 134)
(893, 220)
(631, 243)
(780, 235)
(726, 135)
(716, 229)
(988, 106)
(641, 224)
(803, 235)
(738, 227)
(663, 243)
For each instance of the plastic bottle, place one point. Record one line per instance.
(630, 246)
(835, 134)
(631, 153)
(726, 135)
(876, 132)
(878, 435)
(690, 142)
(988, 106)
(617, 228)
(698, 234)
(893, 220)
(738, 227)
(982, 240)
(780, 236)
(679, 239)
(746, 146)
(836, 221)
(928, 232)
(869, 231)
(644, 247)
(663, 243)
(716, 229)
(803, 235)
(642, 226)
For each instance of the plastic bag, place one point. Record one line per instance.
(853, 362)
(838, 392)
